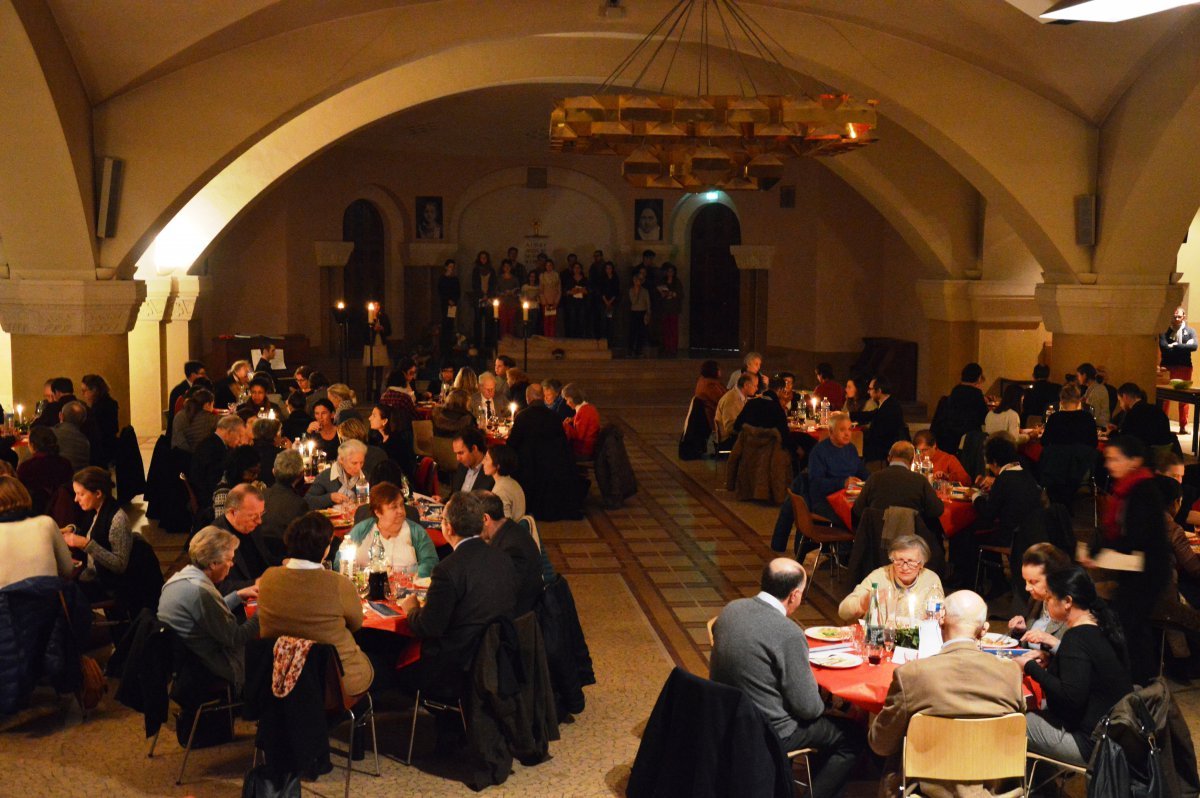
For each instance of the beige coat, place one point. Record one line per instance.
(758, 467)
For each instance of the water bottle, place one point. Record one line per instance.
(825, 408)
(377, 569)
(874, 638)
(933, 604)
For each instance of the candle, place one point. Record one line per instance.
(512, 409)
(495, 308)
(347, 554)
(525, 310)
(311, 445)
(271, 414)
(20, 411)
(341, 305)
(372, 312)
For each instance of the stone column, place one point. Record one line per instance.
(186, 293)
(69, 328)
(421, 306)
(147, 358)
(754, 262)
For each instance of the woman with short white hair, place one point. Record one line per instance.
(191, 605)
(905, 575)
(337, 483)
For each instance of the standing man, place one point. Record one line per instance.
(963, 410)
(758, 649)
(886, 422)
(595, 277)
(1176, 346)
(192, 371)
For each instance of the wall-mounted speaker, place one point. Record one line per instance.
(536, 177)
(109, 173)
(1085, 220)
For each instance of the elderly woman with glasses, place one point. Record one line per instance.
(905, 575)
(195, 610)
(336, 484)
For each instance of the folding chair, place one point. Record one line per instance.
(983, 749)
(807, 529)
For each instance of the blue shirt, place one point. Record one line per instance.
(828, 467)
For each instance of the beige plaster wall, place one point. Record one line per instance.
(37, 358)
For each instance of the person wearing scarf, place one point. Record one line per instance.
(1134, 523)
(336, 484)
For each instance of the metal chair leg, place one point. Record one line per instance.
(153, 743)
(350, 751)
(978, 569)
(374, 740)
(462, 714)
(187, 749)
(412, 735)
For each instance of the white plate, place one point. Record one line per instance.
(828, 634)
(836, 659)
(995, 640)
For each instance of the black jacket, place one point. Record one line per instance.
(1149, 424)
(708, 740)
(208, 462)
(38, 639)
(475, 584)
(764, 411)
(1037, 397)
(283, 505)
(103, 428)
(614, 473)
(293, 731)
(1070, 427)
(252, 556)
(962, 411)
(886, 427)
(176, 393)
(546, 466)
(566, 648)
(1180, 355)
(1014, 506)
(515, 541)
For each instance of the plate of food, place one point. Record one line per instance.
(828, 634)
(960, 492)
(997, 640)
(835, 659)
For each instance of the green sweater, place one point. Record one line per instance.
(427, 556)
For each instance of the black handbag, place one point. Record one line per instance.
(262, 782)
(1111, 775)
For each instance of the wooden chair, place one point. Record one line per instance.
(710, 623)
(1000, 553)
(822, 536)
(423, 437)
(1062, 770)
(964, 749)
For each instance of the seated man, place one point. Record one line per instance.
(514, 540)
(57, 393)
(194, 609)
(208, 460)
(1144, 421)
(898, 485)
(761, 651)
(730, 407)
(552, 396)
(243, 517)
(487, 401)
(283, 502)
(73, 442)
(945, 465)
(959, 682)
(469, 588)
(886, 421)
(584, 426)
(469, 449)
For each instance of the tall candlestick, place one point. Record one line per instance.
(525, 310)
(372, 312)
(495, 308)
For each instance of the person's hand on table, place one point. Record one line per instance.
(1039, 636)
(1016, 624)
(74, 541)
(338, 498)
(985, 483)
(1040, 657)
(249, 593)
(409, 603)
(852, 481)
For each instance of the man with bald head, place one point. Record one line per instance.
(761, 651)
(960, 681)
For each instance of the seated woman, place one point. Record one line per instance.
(46, 470)
(120, 563)
(29, 545)
(322, 430)
(267, 443)
(1036, 626)
(1006, 416)
(318, 389)
(258, 403)
(242, 465)
(906, 575)
(1071, 425)
(342, 397)
(336, 484)
(192, 607)
(500, 463)
(399, 395)
(405, 542)
(1008, 514)
(303, 599)
(1084, 678)
(454, 416)
(467, 380)
(298, 419)
(355, 429)
(856, 400)
(195, 422)
(396, 445)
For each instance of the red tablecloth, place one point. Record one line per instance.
(424, 412)
(957, 516)
(865, 687)
(373, 620)
(1033, 449)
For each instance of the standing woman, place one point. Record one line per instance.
(120, 562)
(551, 296)
(575, 301)
(610, 296)
(375, 353)
(102, 417)
(507, 287)
(449, 290)
(531, 295)
(639, 315)
(670, 290)
(483, 289)
(1135, 523)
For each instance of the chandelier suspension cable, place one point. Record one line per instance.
(676, 12)
(737, 53)
(750, 27)
(679, 41)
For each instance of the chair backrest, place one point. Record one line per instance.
(711, 622)
(423, 436)
(427, 478)
(442, 450)
(530, 525)
(965, 749)
(804, 522)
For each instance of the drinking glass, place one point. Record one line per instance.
(874, 654)
(858, 637)
(889, 641)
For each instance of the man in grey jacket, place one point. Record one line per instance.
(203, 619)
(760, 650)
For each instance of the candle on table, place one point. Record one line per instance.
(347, 553)
(20, 413)
(512, 409)
(495, 308)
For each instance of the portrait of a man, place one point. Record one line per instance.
(647, 219)
(429, 218)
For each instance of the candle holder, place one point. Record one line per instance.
(341, 317)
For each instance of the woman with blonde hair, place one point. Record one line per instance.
(344, 400)
(450, 419)
(467, 380)
(29, 545)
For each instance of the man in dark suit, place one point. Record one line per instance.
(192, 371)
(471, 587)
(58, 393)
(1142, 420)
(961, 411)
(283, 500)
(208, 460)
(1040, 395)
(514, 540)
(898, 485)
(469, 448)
(243, 517)
(886, 422)
(545, 464)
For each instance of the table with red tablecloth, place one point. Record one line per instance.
(373, 620)
(957, 515)
(1032, 449)
(424, 411)
(821, 433)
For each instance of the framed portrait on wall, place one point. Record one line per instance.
(429, 218)
(647, 219)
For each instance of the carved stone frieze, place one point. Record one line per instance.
(70, 307)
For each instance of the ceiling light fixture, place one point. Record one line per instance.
(1110, 10)
(707, 141)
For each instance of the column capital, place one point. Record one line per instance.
(981, 301)
(158, 299)
(1108, 309)
(753, 257)
(186, 290)
(70, 307)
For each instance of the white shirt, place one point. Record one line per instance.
(296, 564)
(398, 550)
(472, 475)
(774, 602)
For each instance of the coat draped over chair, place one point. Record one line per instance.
(759, 468)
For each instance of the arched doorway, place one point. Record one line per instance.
(714, 321)
(362, 224)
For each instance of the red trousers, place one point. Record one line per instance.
(1181, 373)
(550, 325)
(670, 334)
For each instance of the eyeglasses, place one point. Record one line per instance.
(902, 563)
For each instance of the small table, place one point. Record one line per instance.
(1185, 396)
(865, 686)
(373, 620)
(957, 515)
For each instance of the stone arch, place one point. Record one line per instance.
(397, 226)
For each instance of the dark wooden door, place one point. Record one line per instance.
(363, 275)
(715, 280)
